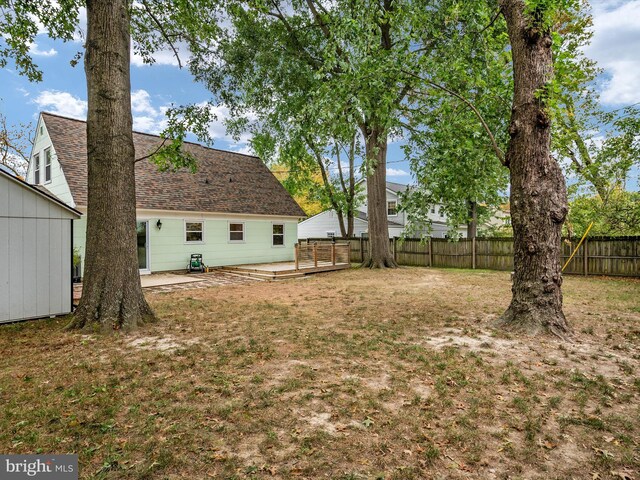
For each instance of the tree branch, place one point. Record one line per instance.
(494, 144)
(163, 32)
(164, 140)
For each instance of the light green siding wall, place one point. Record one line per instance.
(170, 252)
(58, 184)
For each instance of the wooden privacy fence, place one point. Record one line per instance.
(596, 256)
(315, 254)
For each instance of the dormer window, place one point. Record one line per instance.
(36, 169)
(47, 165)
(392, 208)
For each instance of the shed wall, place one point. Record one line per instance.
(35, 255)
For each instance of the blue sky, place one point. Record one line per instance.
(615, 46)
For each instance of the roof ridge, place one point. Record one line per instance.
(157, 136)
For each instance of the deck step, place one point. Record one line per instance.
(262, 275)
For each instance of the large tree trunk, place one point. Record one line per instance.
(350, 223)
(112, 296)
(538, 190)
(376, 151)
(472, 224)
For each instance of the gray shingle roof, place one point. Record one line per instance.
(226, 182)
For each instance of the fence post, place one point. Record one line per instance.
(473, 253)
(395, 256)
(315, 254)
(361, 249)
(333, 253)
(585, 256)
(296, 254)
(430, 253)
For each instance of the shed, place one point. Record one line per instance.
(36, 252)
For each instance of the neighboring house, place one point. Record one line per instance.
(36, 259)
(232, 210)
(326, 224)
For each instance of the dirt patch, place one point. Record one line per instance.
(167, 344)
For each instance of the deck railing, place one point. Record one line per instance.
(308, 255)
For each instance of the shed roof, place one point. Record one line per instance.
(38, 190)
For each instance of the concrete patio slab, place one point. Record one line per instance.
(162, 279)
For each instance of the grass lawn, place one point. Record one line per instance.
(347, 375)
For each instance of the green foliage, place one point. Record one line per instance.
(19, 27)
(620, 215)
(452, 155)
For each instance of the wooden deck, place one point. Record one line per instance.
(308, 259)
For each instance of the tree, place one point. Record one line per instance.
(599, 147)
(15, 144)
(316, 63)
(112, 294)
(310, 169)
(455, 162)
(618, 216)
(538, 192)
(454, 165)
(112, 297)
(538, 196)
(303, 190)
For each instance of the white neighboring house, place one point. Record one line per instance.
(327, 225)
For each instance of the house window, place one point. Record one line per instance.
(392, 208)
(331, 234)
(47, 165)
(194, 232)
(236, 232)
(36, 169)
(433, 209)
(278, 235)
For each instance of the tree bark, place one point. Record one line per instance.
(112, 297)
(380, 255)
(538, 191)
(472, 224)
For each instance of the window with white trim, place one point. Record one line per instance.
(331, 234)
(193, 232)
(47, 165)
(278, 235)
(36, 169)
(392, 208)
(236, 232)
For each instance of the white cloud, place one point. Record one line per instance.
(147, 117)
(395, 172)
(246, 149)
(141, 103)
(61, 103)
(165, 57)
(615, 46)
(36, 52)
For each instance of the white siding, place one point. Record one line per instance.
(58, 184)
(35, 254)
(327, 221)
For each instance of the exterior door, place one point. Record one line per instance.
(142, 228)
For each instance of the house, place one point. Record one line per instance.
(326, 224)
(36, 257)
(232, 210)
